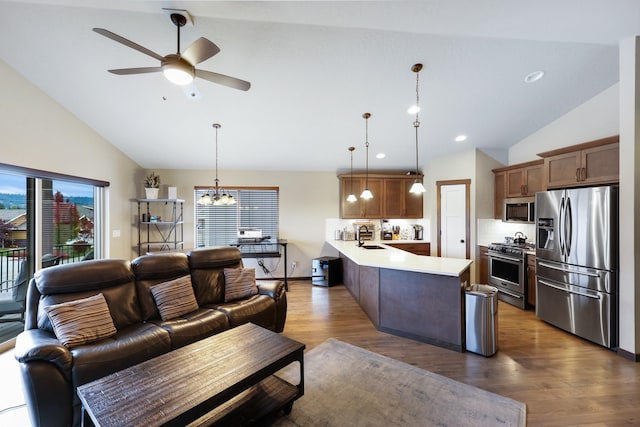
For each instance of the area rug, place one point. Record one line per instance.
(348, 386)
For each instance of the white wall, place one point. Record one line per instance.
(472, 164)
(307, 199)
(629, 194)
(38, 133)
(597, 118)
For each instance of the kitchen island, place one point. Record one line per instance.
(414, 296)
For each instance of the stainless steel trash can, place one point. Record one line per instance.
(481, 305)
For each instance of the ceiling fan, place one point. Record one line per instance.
(178, 68)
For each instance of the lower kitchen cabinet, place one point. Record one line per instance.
(414, 248)
(483, 265)
(531, 280)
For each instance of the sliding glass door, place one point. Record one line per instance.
(44, 221)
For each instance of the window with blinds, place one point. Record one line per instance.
(257, 207)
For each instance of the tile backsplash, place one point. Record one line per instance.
(495, 230)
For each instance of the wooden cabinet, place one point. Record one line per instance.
(592, 163)
(520, 180)
(361, 208)
(524, 181)
(499, 194)
(398, 202)
(483, 265)
(391, 197)
(414, 248)
(531, 280)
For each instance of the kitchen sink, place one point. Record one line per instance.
(372, 247)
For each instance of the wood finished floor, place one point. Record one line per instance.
(564, 380)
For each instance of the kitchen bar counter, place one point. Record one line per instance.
(413, 296)
(398, 259)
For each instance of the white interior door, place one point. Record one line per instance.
(453, 220)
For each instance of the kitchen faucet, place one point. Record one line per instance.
(360, 241)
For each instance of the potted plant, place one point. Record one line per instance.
(152, 185)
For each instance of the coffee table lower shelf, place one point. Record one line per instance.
(259, 405)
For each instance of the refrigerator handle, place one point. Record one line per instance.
(569, 226)
(561, 227)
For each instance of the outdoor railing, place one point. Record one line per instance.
(61, 254)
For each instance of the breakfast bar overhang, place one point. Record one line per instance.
(413, 296)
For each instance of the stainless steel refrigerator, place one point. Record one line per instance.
(577, 261)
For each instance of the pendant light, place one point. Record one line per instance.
(366, 194)
(220, 198)
(352, 197)
(417, 186)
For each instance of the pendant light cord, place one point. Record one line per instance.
(217, 195)
(416, 124)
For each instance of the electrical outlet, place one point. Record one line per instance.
(294, 264)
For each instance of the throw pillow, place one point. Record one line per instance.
(81, 321)
(239, 283)
(175, 298)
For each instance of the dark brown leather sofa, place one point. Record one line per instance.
(51, 372)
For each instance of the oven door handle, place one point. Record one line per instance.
(504, 257)
(568, 270)
(569, 291)
(510, 294)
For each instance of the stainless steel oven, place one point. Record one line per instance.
(507, 272)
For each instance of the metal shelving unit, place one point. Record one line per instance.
(155, 233)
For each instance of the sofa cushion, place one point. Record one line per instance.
(207, 275)
(81, 321)
(239, 283)
(111, 277)
(258, 309)
(174, 298)
(153, 269)
(194, 326)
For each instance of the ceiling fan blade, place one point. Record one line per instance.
(128, 43)
(200, 50)
(223, 80)
(143, 70)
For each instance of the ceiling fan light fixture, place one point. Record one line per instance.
(177, 70)
(413, 109)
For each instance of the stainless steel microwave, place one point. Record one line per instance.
(519, 210)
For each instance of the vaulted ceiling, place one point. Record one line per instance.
(315, 68)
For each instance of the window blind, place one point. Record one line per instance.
(256, 207)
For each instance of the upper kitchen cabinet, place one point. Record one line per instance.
(521, 180)
(499, 191)
(391, 197)
(592, 163)
(361, 208)
(398, 202)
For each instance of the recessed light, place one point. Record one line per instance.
(534, 76)
(461, 138)
(380, 156)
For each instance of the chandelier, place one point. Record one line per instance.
(219, 198)
(417, 186)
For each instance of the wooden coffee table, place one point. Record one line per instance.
(226, 379)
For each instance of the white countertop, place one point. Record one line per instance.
(398, 259)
